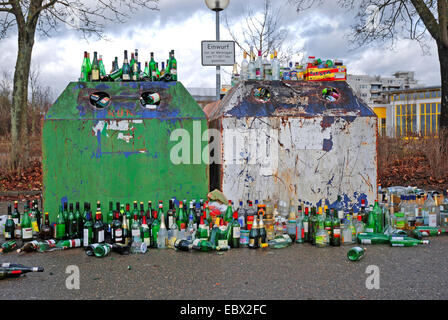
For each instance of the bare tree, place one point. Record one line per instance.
(44, 16)
(386, 20)
(262, 31)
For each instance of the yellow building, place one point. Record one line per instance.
(410, 112)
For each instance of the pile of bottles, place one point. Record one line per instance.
(130, 70)
(261, 68)
(203, 227)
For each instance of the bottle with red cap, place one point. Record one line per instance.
(235, 231)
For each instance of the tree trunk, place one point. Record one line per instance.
(443, 58)
(19, 136)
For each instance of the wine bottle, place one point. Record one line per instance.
(146, 234)
(117, 229)
(9, 226)
(126, 68)
(98, 250)
(356, 253)
(14, 272)
(35, 245)
(88, 230)
(396, 241)
(183, 245)
(95, 68)
(98, 229)
(254, 235)
(45, 230)
(27, 231)
(235, 231)
(8, 246)
(85, 77)
(202, 245)
(229, 213)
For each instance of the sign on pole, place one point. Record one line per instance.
(218, 53)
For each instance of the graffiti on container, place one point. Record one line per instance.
(119, 113)
(121, 130)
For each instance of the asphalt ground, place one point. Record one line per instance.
(297, 272)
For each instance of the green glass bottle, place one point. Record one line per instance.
(373, 238)
(110, 214)
(98, 250)
(126, 68)
(228, 216)
(9, 226)
(396, 241)
(102, 68)
(88, 230)
(146, 234)
(336, 230)
(135, 212)
(202, 245)
(60, 232)
(378, 214)
(328, 222)
(173, 66)
(84, 69)
(27, 230)
(155, 230)
(254, 235)
(371, 223)
(356, 253)
(152, 68)
(8, 246)
(79, 221)
(203, 230)
(181, 217)
(132, 61)
(146, 70)
(116, 74)
(16, 213)
(65, 215)
(430, 231)
(214, 233)
(95, 68)
(89, 66)
(72, 224)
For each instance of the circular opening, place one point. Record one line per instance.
(262, 94)
(330, 94)
(100, 100)
(150, 99)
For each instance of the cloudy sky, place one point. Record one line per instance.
(182, 25)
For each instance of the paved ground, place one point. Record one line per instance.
(297, 272)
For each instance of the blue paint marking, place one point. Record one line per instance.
(327, 145)
(98, 149)
(64, 200)
(102, 86)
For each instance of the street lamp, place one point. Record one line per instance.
(217, 5)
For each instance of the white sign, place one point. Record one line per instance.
(218, 53)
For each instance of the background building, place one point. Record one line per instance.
(413, 111)
(375, 91)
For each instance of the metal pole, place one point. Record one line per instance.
(218, 68)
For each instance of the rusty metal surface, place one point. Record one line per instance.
(289, 98)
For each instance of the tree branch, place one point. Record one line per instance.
(428, 18)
